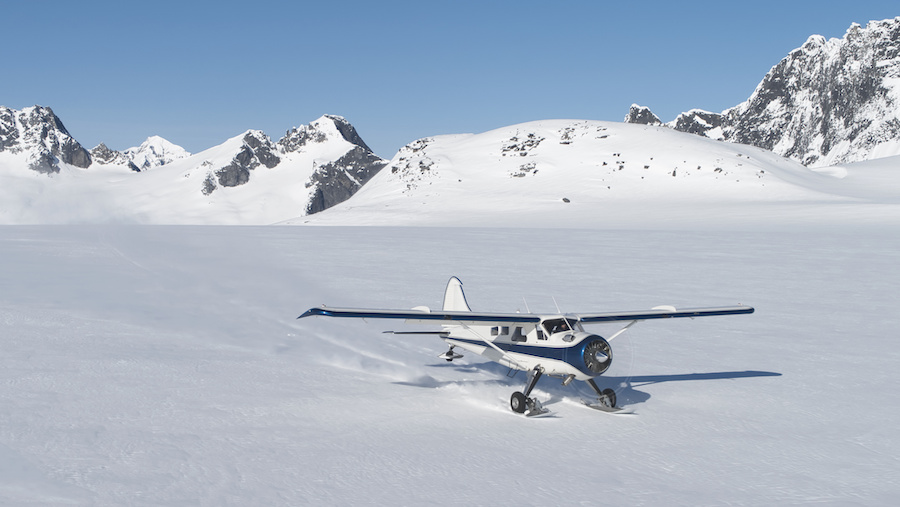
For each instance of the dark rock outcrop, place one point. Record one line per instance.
(337, 181)
(257, 149)
(101, 154)
(642, 116)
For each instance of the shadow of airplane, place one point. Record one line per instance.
(625, 387)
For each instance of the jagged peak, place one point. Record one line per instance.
(252, 135)
(327, 126)
(813, 42)
(642, 115)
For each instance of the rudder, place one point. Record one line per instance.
(454, 298)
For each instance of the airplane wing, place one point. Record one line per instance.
(425, 317)
(660, 312)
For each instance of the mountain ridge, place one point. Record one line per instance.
(573, 173)
(319, 164)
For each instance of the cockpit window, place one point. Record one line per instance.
(557, 326)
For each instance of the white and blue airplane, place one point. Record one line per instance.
(541, 344)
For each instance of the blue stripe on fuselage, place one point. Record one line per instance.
(572, 355)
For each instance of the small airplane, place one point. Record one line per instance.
(541, 344)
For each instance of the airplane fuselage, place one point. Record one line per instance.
(557, 344)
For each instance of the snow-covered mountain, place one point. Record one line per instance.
(828, 102)
(594, 173)
(154, 152)
(248, 179)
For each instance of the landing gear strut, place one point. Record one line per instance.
(607, 397)
(520, 402)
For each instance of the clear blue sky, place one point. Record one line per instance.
(200, 72)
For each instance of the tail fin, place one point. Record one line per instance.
(454, 299)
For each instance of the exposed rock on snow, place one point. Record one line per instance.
(101, 154)
(337, 181)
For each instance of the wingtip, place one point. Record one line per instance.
(311, 312)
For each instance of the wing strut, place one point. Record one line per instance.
(617, 333)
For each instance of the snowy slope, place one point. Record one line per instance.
(164, 366)
(588, 173)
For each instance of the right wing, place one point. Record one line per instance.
(663, 313)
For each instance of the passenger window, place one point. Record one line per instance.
(518, 336)
(504, 330)
(495, 331)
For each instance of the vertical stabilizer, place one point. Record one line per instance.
(454, 299)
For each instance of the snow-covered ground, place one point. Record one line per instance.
(163, 365)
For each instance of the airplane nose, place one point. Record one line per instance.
(596, 354)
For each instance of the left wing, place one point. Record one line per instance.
(425, 317)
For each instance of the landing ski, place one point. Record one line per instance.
(606, 408)
(537, 412)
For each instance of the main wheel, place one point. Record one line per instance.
(518, 402)
(611, 396)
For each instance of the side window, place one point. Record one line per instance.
(495, 331)
(504, 330)
(540, 335)
(518, 336)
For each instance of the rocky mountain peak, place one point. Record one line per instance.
(319, 131)
(642, 116)
(38, 132)
(828, 102)
(348, 131)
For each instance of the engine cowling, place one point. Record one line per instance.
(596, 354)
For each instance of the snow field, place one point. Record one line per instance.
(161, 365)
